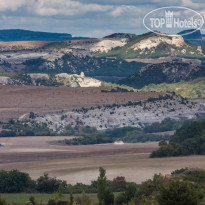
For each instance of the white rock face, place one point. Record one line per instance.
(77, 80)
(127, 115)
(36, 76)
(154, 41)
(107, 44)
(5, 80)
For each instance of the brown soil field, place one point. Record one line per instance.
(37, 155)
(16, 101)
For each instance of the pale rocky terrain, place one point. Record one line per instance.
(108, 44)
(115, 116)
(77, 80)
(5, 80)
(154, 41)
(11, 61)
(14, 56)
(63, 79)
(169, 45)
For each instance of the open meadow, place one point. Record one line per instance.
(23, 198)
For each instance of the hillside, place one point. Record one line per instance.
(122, 35)
(169, 72)
(26, 35)
(59, 62)
(150, 45)
(44, 79)
(133, 113)
(188, 140)
(187, 89)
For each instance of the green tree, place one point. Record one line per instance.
(60, 191)
(71, 199)
(102, 183)
(130, 191)
(15, 181)
(105, 196)
(32, 201)
(177, 193)
(121, 199)
(32, 115)
(108, 197)
(83, 200)
(47, 184)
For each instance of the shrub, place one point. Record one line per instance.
(177, 193)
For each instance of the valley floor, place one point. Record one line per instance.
(38, 155)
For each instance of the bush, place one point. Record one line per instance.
(15, 181)
(2, 201)
(188, 140)
(46, 184)
(177, 193)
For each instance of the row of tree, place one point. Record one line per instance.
(182, 187)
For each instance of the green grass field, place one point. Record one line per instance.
(187, 89)
(23, 198)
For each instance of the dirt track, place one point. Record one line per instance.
(36, 155)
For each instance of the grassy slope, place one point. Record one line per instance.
(188, 89)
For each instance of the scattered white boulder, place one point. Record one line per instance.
(5, 80)
(37, 76)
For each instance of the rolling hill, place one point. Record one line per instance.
(150, 45)
(187, 89)
(26, 35)
(169, 72)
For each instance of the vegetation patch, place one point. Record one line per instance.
(188, 140)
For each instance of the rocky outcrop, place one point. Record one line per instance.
(106, 45)
(77, 80)
(154, 41)
(5, 80)
(43, 79)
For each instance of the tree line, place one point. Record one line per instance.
(182, 187)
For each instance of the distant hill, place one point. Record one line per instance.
(121, 35)
(195, 35)
(151, 45)
(187, 89)
(26, 35)
(169, 72)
